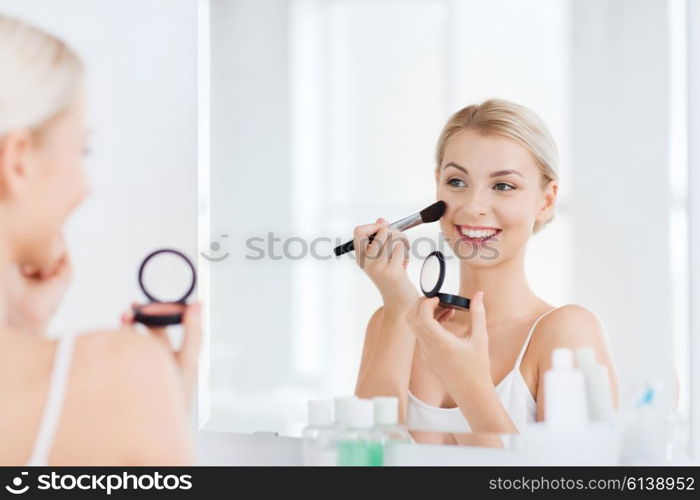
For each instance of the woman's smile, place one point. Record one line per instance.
(477, 235)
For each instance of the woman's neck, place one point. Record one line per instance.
(507, 294)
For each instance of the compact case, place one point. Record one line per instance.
(158, 312)
(432, 276)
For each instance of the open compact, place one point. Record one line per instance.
(432, 276)
(167, 277)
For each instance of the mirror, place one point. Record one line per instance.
(431, 275)
(166, 276)
(325, 115)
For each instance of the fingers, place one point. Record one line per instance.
(421, 314)
(426, 318)
(375, 247)
(399, 252)
(127, 318)
(445, 315)
(361, 236)
(426, 311)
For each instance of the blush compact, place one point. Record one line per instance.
(432, 277)
(167, 278)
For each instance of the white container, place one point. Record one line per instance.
(318, 444)
(565, 401)
(342, 411)
(598, 394)
(386, 420)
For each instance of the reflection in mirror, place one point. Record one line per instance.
(334, 123)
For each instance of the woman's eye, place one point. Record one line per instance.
(504, 187)
(454, 182)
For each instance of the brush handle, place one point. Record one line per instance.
(401, 225)
(348, 246)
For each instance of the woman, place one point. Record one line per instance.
(479, 370)
(104, 398)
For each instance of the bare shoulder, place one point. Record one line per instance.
(571, 325)
(129, 382)
(134, 365)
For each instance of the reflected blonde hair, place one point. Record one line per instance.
(512, 121)
(40, 76)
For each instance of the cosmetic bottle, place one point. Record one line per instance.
(598, 395)
(358, 443)
(386, 420)
(342, 407)
(318, 444)
(565, 404)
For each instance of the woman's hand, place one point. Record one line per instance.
(459, 363)
(33, 295)
(385, 260)
(186, 357)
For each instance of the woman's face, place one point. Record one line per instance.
(492, 187)
(47, 182)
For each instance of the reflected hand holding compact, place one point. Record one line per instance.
(165, 270)
(432, 276)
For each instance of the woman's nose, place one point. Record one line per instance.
(474, 204)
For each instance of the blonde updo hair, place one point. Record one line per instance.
(512, 121)
(40, 76)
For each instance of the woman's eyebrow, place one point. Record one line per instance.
(497, 173)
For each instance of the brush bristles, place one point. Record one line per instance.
(433, 212)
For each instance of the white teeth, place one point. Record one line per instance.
(478, 233)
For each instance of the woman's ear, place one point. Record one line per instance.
(549, 201)
(14, 149)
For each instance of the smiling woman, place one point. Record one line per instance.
(478, 370)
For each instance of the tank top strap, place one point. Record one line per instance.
(60, 374)
(529, 336)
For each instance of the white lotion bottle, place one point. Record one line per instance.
(599, 396)
(342, 409)
(318, 445)
(386, 420)
(565, 401)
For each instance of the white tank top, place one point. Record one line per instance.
(53, 407)
(512, 391)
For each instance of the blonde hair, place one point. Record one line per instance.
(512, 121)
(40, 76)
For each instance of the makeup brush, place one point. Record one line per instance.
(430, 214)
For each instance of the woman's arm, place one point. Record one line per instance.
(386, 358)
(387, 354)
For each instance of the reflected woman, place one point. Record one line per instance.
(480, 370)
(103, 398)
